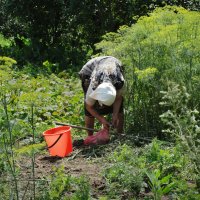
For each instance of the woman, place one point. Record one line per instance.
(103, 83)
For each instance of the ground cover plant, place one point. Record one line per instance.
(155, 158)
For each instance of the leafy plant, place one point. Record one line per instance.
(182, 122)
(162, 46)
(7, 135)
(29, 106)
(185, 190)
(4, 42)
(66, 187)
(159, 185)
(82, 188)
(165, 157)
(59, 184)
(124, 174)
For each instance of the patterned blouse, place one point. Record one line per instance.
(103, 69)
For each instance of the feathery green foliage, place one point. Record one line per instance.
(162, 46)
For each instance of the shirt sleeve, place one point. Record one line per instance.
(121, 91)
(90, 101)
(88, 68)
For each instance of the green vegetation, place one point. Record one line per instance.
(157, 158)
(61, 184)
(64, 32)
(160, 48)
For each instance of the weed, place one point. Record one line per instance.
(159, 185)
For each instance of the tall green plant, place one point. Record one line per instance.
(7, 135)
(182, 122)
(168, 40)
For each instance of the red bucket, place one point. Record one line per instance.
(59, 141)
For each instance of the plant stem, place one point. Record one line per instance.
(33, 154)
(12, 163)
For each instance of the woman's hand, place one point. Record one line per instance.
(101, 119)
(105, 123)
(115, 120)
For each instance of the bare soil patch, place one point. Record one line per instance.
(87, 161)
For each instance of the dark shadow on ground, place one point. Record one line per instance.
(51, 159)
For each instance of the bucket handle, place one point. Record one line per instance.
(55, 141)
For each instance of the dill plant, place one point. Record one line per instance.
(168, 40)
(7, 136)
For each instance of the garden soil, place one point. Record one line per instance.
(89, 161)
(86, 160)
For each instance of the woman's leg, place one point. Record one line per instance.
(89, 119)
(89, 123)
(120, 126)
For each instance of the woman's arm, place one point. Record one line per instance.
(95, 114)
(116, 107)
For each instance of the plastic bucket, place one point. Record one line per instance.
(59, 141)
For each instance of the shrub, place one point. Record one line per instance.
(182, 123)
(162, 46)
